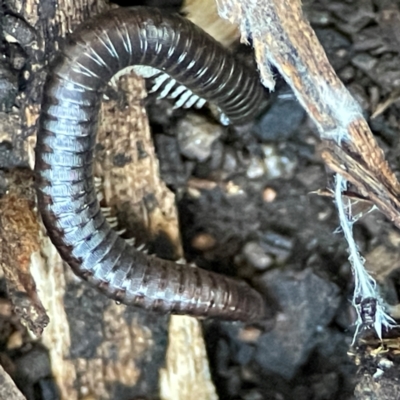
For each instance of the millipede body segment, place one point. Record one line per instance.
(93, 54)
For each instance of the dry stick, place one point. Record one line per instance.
(283, 37)
(8, 390)
(19, 229)
(186, 373)
(204, 13)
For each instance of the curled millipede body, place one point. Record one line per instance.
(94, 53)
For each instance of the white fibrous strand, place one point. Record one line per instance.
(257, 19)
(365, 287)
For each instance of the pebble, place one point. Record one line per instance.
(269, 195)
(282, 119)
(173, 170)
(272, 166)
(308, 304)
(196, 135)
(255, 255)
(203, 241)
(364, 62)
(278, 245)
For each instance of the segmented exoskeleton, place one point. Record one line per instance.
(95, 52)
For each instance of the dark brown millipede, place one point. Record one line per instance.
(94, 53)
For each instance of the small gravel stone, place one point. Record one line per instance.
(308, 304)
(277, 165)
(278, 245)
(255, 255)
(281, 120)
(196, 136)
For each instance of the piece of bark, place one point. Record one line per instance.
(187, 374)
(132, 186)
(8, 390)
(128, 167)
(97, 348)
(283, 37)
(19, 230)
(204, 13)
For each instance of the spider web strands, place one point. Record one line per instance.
(282, 37)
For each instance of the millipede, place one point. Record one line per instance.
(156, 43)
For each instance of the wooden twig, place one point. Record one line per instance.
(19, 238)
(8, 390)
(283, 37)
(128, 188)
(187, 373)
(204, 13)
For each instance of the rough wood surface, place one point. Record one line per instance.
(187, 374)
(204, 13)
(128, 167)
(8, 390)
(19, 229)
(132, 186)
(288, 42)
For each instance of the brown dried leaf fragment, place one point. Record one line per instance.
(19, 231)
